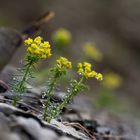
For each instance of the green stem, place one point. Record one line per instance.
(48, 97)
(21, 84)
(68, 98)
(14, 102)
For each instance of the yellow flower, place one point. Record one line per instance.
(85, 70)
(43, 56)
(49, 55)
(99, 77)
(38, 40)
(37, 48)
(34, 46)
(85, 64)
(93, 74)
(41, 50)
(64, 63)
(46, 44)
(29, 50)
(80, 71)
(37, 52)
(79, 65)
(28, 41)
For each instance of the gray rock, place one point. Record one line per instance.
(9, 42)
(7, 74)
(66, 138)
(18, 125)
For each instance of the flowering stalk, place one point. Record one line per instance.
(36, 50)
(75, 89)
(59, 70)
(84, 70)
(20, 86)
(47, 96)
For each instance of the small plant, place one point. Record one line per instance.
(58, 71)
(85, 72)
(38, 49)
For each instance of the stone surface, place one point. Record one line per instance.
(17, 125)
(9, 42)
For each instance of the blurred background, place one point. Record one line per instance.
(103, 32)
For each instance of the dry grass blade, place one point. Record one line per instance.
(79, 126)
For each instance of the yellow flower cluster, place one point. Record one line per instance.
(85, 70)
(38, 48)
(64, 63)
(62, 36)
(92, 52)
(112, 80)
